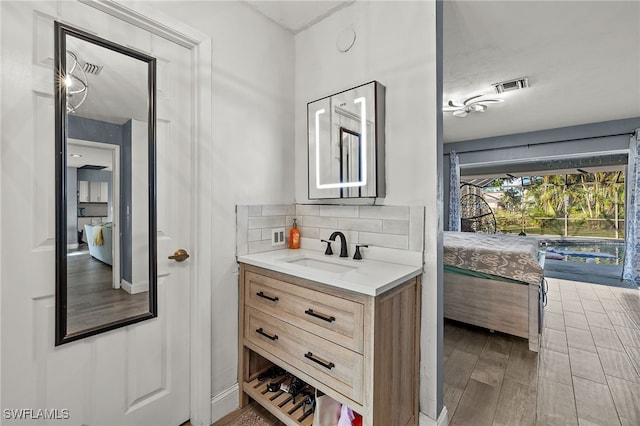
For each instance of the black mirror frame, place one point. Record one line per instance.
(60, 62)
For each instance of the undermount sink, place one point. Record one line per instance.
(318, 264)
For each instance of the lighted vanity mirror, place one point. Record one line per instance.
(105, 185)
(346, 144)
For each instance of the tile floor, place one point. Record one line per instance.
(586, 373)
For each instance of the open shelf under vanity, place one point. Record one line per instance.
(283, 405)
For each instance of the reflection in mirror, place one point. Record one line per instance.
(105, 176)
(350, 162)
(346, 144)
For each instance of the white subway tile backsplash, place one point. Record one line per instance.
(384, 212)
(307, 210)
(261, 246)
(416, 228)
(367, 225)
(254, 234)
(352, 236)
(398, 227)
(255, 210)
(278, 210)
(384, 240)
(242, 218)
(339, 211)
(384, 227)
(320, 222)
(266, 221)
(266, 233)
(313, 233)
(289, 221)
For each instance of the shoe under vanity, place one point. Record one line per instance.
(347, 328)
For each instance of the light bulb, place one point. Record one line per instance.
(68, 81)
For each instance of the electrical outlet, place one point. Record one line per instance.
(277, 237)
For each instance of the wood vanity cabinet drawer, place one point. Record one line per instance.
(335, 366)
(331, 317)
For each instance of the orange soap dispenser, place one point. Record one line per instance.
(294, 236)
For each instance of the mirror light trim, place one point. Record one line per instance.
(363, 149)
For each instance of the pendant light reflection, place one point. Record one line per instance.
(76, 83)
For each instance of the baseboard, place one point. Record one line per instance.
(443, 419)
(225, 402)
(133, 288)
(72, 246)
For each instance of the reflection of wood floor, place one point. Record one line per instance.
(91, 301)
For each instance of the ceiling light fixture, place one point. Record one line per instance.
(472, 104)
(75, 82)
(75, 155)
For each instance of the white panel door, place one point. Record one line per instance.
(137, 375)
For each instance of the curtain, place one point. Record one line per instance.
(454, 192)
(631, 268)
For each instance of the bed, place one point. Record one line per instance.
(494, 281)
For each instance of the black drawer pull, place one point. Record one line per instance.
(261, 331)
(317, 315)
(264, 296)
(323, 363)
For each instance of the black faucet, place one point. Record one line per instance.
(357, 255)
(343, 242)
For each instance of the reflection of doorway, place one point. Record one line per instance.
(103, 157)
(350, 161)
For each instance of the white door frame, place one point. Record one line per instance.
(200, 46)
(115, 201)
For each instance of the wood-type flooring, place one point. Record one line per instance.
(91, 299)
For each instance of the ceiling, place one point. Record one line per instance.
(119, 92)
(81, 153)
(297, 16)
(582, 59)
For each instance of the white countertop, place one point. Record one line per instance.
(370, 277)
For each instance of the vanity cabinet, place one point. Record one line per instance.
(361, 350)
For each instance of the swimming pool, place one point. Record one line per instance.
(608, 252)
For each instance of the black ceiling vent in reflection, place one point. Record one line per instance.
(92, 167)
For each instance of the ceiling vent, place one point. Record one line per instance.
(508, 86)
(90, 68)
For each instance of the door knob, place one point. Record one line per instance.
(180, 255)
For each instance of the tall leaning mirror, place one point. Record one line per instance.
(105, 185)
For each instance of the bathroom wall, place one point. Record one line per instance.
(396, 45)
(260, 153)
(252, 142)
